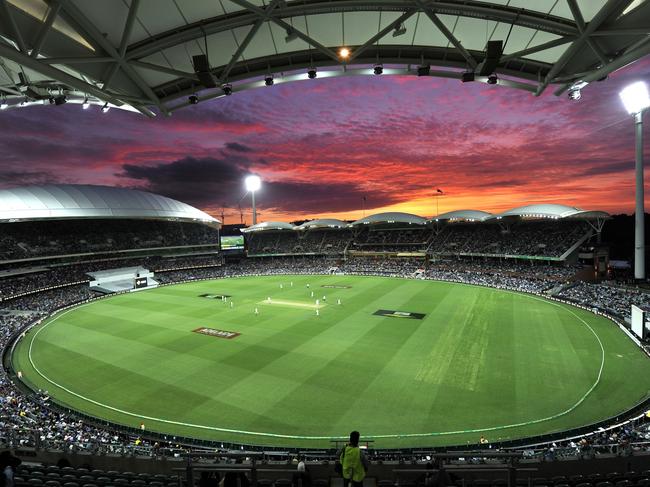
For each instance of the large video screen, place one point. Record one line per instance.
(235, 242)
(638, 322)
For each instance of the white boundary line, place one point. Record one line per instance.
(278, 435)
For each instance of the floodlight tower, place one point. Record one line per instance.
(636, 100)
(253, 183)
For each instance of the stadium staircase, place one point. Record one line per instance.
(576, 245)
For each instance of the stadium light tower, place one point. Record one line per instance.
(636, 100)
(253, 183)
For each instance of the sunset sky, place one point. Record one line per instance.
(322, 145)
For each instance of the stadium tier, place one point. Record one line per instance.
(534, 232)
(64, 222)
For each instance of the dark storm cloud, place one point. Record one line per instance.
(609, 168)
(211, 182)
(235, 147)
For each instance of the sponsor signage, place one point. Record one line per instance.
(399, 314)
(215, 296)
(213, 332)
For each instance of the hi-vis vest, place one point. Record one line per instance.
(351, 463)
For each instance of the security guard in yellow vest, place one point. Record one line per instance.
(353, 461)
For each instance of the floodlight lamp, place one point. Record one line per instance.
(3, 104)
(268, 80)
(344, 53)
(635, 97)
(311, 73)
(574, 94)
(424, 70)
(60, 100)
(253, 183)
(378, 69)
(86, 104)
(227, 89)
(193, 99)
(105, 108)
(492, 79)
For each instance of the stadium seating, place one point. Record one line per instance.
(62, 431)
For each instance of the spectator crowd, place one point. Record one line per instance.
(29, 420)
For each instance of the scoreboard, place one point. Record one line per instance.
(140, 282)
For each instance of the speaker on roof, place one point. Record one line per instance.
(202, 70)
(492, 58)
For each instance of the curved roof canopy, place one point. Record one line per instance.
(267, 226)
(139, 54)
(72, 201)
(323, 223)
(464, 215)
(391, 217)
(545, 210)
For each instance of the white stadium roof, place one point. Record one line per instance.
(465, 215)
(139, 54)
(553, 211)
(391, 217)
(537, 211)
(72, 201)
(323, 223)
(266, 226)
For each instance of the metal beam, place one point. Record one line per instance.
(77, 60)
(612, 7)
(541, 47)
(402, 18)
(126, 35)
(165, 70)
(247, 40)
(312, 42)
(13, 27)
(621, 32)
(636, 51)
(580, 22)
(45, 30)
(233, 20)
(77, 18)
(449, 35)
(54, 73)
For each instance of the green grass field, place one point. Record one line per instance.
(480, 362)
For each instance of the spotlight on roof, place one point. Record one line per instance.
(574, 94)
(424, 70)
(292, 35)
(105, 108)
(60, 100)
(86, 104)
(193, 99)
(311, 73)
(253, 183)
(3, 104)
(268, 80)
(492, 79)
(635, 97)
(344, 53)
(467, 76)
(227, 89)
(378, 69)
(400, 30)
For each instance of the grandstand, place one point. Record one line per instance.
(536, 252)
(53, 223)
(552, 233)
